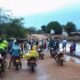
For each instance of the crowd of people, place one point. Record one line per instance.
(14, 48)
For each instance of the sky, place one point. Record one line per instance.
(40, 12)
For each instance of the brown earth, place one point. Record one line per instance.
(47, 69)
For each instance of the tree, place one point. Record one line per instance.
(70, 27)
(31, 30)
(44, 28)
(39, 31)
(55, 26)
(78, 30)
(11, 27)
(4, 16)
(16, 29)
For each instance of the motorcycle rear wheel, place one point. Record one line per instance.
(32, 68)
(17, 68)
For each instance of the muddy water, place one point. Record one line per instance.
(77, 60)
(68, 58)
(68, 48)
(41, 74)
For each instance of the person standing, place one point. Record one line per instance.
(74, 47)
(64, 42)
(47, 45)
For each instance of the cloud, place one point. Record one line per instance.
(30, 7)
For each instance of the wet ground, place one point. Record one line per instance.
(77, 52)
(46, 69)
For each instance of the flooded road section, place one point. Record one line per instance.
(73, 59)
(70, 70)
(46, 69)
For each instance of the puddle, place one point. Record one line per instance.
(41, 74)
(68, 58)
(44, 77)
(78, 53)
(77, 61)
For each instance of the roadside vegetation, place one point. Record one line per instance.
(14, 27)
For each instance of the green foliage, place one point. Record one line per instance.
(39, 32)
(4, 17)
(78, 30)
(44, 28)
(31, 30)
(14, 27)
(55, 26)
(70, 27)
(11, 27)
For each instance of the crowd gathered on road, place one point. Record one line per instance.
(16, 49)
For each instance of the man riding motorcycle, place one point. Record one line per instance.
(5, 42)
(59, 58)
(5, 45)
(2, 57)
(2, 49)
(52, 46)
(32, 53)
(15, 53)
(40, 51)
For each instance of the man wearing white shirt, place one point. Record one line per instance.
(64, 42)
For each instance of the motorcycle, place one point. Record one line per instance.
(2, 65)
(17, 63)
(52, 52)
(41, 55)
(32, 63)
(59, 58)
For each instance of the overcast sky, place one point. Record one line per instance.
(39, 12)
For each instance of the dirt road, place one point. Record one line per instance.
(47, 69)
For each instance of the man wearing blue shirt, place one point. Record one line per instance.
(15, 52)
